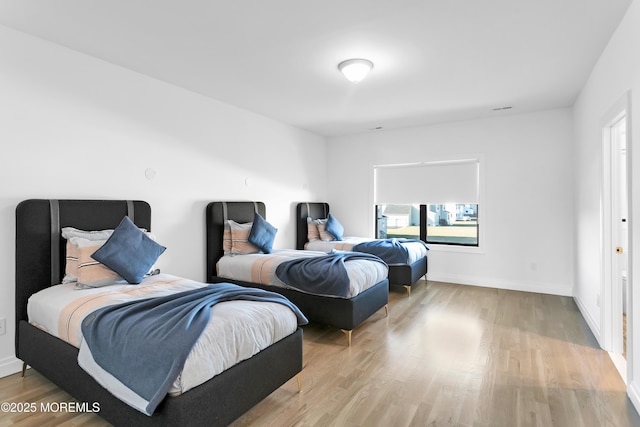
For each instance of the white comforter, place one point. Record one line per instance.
(237, 330)
(260, 268)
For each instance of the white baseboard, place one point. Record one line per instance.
(593, 325)
(633, 391)
(621, 365)
(10, 365)
(541, 288)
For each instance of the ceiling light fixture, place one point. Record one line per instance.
(355, 69)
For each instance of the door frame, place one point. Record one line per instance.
(611, 290)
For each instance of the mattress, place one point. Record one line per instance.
(260, 268)
(236, 331)
(417, 250)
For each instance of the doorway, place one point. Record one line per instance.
(616, 307)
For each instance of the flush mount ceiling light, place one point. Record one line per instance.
(355, 69)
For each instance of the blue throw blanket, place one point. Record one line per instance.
(145, 343)
(392, 251)
(323, 275)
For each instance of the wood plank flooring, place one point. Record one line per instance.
(448, 355)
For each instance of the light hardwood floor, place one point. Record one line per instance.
(448, 355)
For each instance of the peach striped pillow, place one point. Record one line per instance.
(236, 239)
(89, 272)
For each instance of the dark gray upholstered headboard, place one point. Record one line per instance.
(216, 214)
(41, 251)
(304, 210)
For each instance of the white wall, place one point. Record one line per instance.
(527, 205)
(76, 127)
(616, 73)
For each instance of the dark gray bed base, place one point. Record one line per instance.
(217, 402)
(405, 275)
(342, 313)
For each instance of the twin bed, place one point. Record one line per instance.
(405, 273)
(257, 270)
(40, 267)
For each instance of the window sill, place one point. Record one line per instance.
(453, 248)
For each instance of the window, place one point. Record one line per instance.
(398, 221)
(448, 224)
(452, 224)
(436, 202)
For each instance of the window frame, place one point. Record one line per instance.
(423, 227)
(424, 235)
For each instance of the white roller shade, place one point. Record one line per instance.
(430, 182)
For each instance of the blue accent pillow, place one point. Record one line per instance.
(334, 227)
(262, 234)
(129, 252)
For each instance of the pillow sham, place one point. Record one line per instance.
(129, 252)
(88, 272)
(317, 230)
(322, 230)
(324, 236)
(312, 230)
(262, 234)
(334, 227)
(236, 239)
(71, 266)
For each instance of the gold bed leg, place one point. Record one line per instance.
(386, 310)
(408, 288)
(24, 369)
(348, 335)
(299, 378)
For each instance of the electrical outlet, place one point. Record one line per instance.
(3, 326)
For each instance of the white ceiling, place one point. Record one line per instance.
(434, 60)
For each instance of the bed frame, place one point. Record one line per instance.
(406, 275)
(343, 313)
(40, 258)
